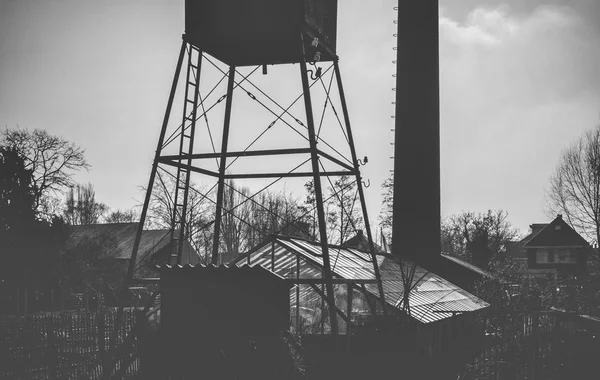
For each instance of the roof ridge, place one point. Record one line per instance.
(546, 231)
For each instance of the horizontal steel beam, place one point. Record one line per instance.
(167, 161)
(254, 153)
(288, 175)
(303, 281)
(266, 152)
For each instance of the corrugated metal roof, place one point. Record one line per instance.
(256, 270)
(431, 293)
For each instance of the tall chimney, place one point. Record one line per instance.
(416, 223)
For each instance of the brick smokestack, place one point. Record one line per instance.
(416, 223)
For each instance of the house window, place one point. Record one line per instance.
(567, 257)
(550, 256)
(541, 256)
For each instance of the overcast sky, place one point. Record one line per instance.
(520, 80)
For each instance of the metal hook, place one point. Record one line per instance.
(365, 185)
(364, 161)
(315, 75)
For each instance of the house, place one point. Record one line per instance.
(361, 242)
(550, 249)
(114, 243)
(118, 239)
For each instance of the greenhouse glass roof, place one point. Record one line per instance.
(431, 299)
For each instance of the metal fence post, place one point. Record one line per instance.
(51, 347)
(102, 344)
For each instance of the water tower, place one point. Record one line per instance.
(231, 38)
(263, 32)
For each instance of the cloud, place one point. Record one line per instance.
(483, 27)
(492, 26)
(499, 58)
(515, 88)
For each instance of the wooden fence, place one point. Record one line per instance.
(66, 345)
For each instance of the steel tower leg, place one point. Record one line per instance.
(338, 78)
(222, 164)
(140, 228)
(318, 193)
(159, 146)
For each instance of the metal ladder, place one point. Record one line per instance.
(186, 145)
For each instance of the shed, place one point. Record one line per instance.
(252, 299)
(211, 314)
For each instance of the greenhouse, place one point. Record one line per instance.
(430, 299)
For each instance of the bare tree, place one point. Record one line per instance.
(236, 212)
(122, 216)
(387, 207)
(249, 219)
(82, 207)
(246, 221)
(477, 237)
(343, 210)
(309, 209)
(198, 211)
(277, 213)
(575, 186)
(53, 161)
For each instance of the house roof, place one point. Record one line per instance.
(536, 228)
(557, 233)
(122, 236)
(430, 295)
(360, 241)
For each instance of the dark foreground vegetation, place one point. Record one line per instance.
(77, 345)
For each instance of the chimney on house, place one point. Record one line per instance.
(416, 220)
(537, 227)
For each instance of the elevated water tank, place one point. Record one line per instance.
(258, 32)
